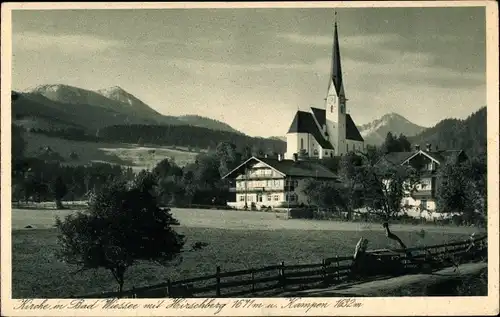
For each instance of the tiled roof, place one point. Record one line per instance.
(320, 115)
(446, 156)
(397, 158)
(443, 156)
(299, 168)
(303, 122)
(351, 131)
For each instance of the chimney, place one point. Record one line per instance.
(428, 147)
(279, 157)
(295, 157)
(417, 147)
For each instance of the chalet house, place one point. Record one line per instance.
(274, 182)
(428, 161)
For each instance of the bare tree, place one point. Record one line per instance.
(384, 187)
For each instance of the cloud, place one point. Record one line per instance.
(70, 44)
(355, 41)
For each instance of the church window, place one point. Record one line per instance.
(331, 109)
(347, 145)
(301, 143)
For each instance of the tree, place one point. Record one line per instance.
(325, 194)
(18, 143)
(349, 168)
(383, 188)
(396, 144)
(59, 190)
(462, 189)
(228, 157)
(123, 225)
(404, 144)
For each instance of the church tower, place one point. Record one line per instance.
(336, 102)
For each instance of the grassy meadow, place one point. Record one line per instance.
(237, 240)
(122, 154)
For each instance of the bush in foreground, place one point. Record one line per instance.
(123, 225)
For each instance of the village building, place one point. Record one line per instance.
(328, 131)
(428, 161)
(274, 182)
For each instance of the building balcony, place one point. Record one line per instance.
(262, 189)
(255, 189)
(259, 177)
(429, 193)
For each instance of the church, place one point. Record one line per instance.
(329, 131)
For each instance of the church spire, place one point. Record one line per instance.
(336, 75)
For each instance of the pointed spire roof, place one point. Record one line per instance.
(336, 65)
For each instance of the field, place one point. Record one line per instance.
(237, 240)
(123, 154)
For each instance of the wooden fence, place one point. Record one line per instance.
(269, 280)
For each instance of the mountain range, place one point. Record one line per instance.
(58, 106)
(49, 107)
(375, 132)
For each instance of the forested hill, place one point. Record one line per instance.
(185, 135)
(469, 134)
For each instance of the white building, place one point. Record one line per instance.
(330, 131)
(274, 182)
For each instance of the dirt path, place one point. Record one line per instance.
(390, 286)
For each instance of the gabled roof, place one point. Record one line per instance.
(320, 115)
(303, 122)
(292, 168)
(397, 158)
(351, 131)
(443, 156)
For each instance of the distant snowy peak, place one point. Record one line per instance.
(118, 94)
(69, 94)
(376, 131)
(56, 88)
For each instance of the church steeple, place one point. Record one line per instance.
(336, 74)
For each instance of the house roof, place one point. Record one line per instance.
(303, 122)
(351, 131)
(443, 156)
(397, 158)
(320, 115)
(300, 168)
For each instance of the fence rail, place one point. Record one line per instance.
(330, 271)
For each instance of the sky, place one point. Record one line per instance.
(254, 68)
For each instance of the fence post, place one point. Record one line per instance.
(337, 266)
(323, 268)
(253, 281)
(217, 281)
(282, 274)
(169, 288)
